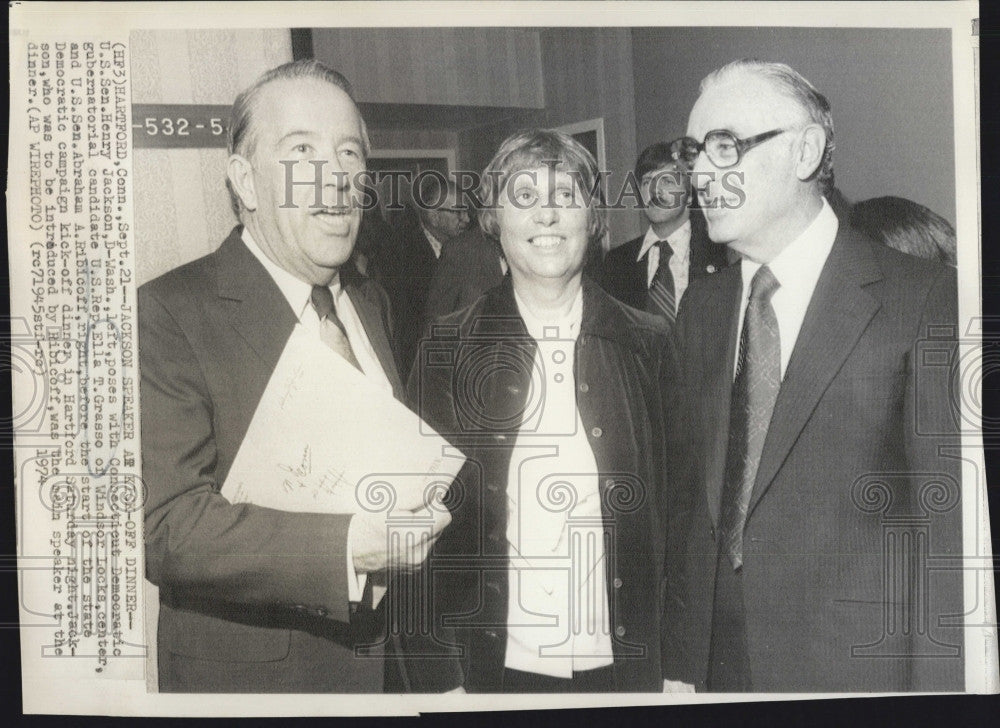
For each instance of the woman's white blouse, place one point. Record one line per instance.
(557, 617)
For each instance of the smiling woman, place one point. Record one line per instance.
(558, 395)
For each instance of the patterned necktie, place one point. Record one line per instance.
(331, 328)
(662, 299)
(755, 389)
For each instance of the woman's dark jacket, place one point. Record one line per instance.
(472, 383)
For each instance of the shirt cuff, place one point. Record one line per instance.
(355, 582)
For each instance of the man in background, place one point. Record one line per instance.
(437, 217)
(652, 272)
(470, 264)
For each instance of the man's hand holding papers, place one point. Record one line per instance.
(324, 438)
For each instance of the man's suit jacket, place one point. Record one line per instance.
(468, 267)
(405, 271)
(851, 453)
(626, 279)
(251, 599)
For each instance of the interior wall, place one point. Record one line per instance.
(890, 91)
(182, 209)
(456, 66)
(587, 74)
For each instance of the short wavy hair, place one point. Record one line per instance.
(798, 88)
(906, 226)
(539, 148)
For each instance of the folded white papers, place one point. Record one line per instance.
(326, 439)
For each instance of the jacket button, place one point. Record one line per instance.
(492, 635)
(584, 387)
(618, 583)
(493, 587)
(492, 488)
(321, 612)
(501, 438)
(597, 432)
(620, 631)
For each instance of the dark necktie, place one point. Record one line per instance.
(332, 330)
(755, 389)
(662, 298)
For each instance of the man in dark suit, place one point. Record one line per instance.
(254, 599)
(651, 272)
(437, 216)
(823, 441)
(470, 265)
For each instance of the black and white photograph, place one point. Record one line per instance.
(542, 360)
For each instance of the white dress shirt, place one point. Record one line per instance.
(558, 617)
(299, 296)
(797, 269)
(434, 242)
(680, 262)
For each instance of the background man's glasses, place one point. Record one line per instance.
(723, 148)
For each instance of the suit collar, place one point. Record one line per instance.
(679, 240)
(259, 310)
(365, 297)
(706, 256)
(262, 315)
(717, 358)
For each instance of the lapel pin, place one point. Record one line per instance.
(710, 269)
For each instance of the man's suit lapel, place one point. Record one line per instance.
(626, 275)
(257, 308)
(260, 313)
(638, 272)
(365, 301)
(718, 354)
(839, 312)
(706, 256)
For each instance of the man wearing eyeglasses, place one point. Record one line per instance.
(652, 272)
(821, 486)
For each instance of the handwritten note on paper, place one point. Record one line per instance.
(326, 439)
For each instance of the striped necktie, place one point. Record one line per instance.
(662, 299)
(331, 328)
(755, 390)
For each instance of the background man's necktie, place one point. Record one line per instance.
(662, 299)
(331, 328)
(758, 378)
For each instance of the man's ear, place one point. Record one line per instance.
(812, 144)
(240, 173)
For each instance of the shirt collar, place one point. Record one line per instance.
(798, 266)
(436, 244)
(296, 291)
(567, 327)
(679, 240)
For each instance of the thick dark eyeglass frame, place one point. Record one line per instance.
(691, 147)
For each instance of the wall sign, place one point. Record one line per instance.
(179, 126)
